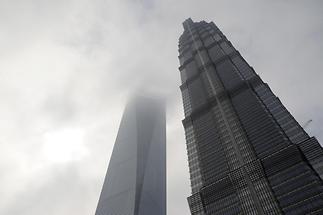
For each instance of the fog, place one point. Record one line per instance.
(68, 67)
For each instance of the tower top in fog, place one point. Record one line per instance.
(135, 183)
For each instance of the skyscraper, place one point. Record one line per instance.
(247, 154)
(135, 183)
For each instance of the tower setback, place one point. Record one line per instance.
(247, 154)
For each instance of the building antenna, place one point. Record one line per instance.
(307, 123)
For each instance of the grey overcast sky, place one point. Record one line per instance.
(67, 67)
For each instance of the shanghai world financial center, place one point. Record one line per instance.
(246, 153)
(135, 183)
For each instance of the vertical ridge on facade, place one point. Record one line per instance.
(247, 154)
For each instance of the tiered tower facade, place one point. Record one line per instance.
(247, 154)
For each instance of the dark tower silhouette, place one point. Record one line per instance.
(135, 183)
(247, 154)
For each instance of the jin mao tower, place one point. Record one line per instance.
(247, 154)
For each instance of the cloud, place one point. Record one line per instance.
(55, 193)
(67, 65)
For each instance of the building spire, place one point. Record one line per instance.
(187, 23)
